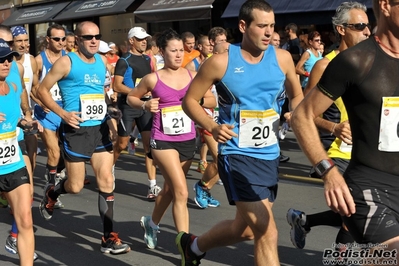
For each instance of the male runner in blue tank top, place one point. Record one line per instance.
(48, 119)
(249, 114)
(84, 132)
(366, 77)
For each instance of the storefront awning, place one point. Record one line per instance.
(35, 14)
(177, 10)
(290, 6)
(94, 8)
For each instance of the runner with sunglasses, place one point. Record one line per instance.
(366, 77)
(309, 57)
(49, 120)
(334, 128)
(84, 131)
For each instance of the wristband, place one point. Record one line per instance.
(307, 74)
(333, 128)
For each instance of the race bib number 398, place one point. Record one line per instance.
(389, 125)
(9, 149)
(258, 129)
(93, 106)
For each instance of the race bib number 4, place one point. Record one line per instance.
(93, 106)
(175, 121)
(9, 149)
(389, 125)
(258, 129)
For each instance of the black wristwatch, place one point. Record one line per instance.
(323, 167)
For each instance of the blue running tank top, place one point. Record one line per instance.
(308, 65)
(250, 99)
(82, 90)
(55, 91)
(15, 78)
(11, 158)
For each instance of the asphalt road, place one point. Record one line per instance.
(72, 236)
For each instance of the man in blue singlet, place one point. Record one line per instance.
(247, 134)
(48, 119)
(83, 132)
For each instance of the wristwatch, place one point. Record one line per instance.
(323, 167)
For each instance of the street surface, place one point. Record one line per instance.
(72, 236)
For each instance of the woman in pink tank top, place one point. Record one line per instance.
(173, 133)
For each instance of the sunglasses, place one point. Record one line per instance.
(57, 39)
(7, 58)
(357, 26)
(90, 37)
(317, 40)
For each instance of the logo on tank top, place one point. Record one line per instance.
(6, 126)
(92, 79)
(239, 70)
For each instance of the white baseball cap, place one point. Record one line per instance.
(138, 32)
(104, 48)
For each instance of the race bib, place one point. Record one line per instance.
(9, 148)
(216, 114)
(55, 92)
(93, 106)
(345, 147)
(258, 129)
(137, 81)
(175, 121)
(389, 126)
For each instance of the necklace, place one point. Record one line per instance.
(49, 57)
(383, 45)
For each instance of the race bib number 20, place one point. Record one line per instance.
(258, 129)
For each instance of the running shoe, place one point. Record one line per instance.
(113, 245)
(59, 205)
(202, 166)
(297, 219)
(211, 201)
(46, 206)
(283, 158)
(11, 246)
(219, 182)
(150, 234)
(188, 258)
(201, 196)
(153, 192)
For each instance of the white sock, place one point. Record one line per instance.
(153, 182)
(195, 249)
(153, 225)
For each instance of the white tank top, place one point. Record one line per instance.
(28, 76)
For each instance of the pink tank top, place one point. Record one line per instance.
(169, 97)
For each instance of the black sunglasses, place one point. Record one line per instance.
(57, 39)
(357, 26)
(8, 58)
(90, 37)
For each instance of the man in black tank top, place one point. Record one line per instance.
(366, 78)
